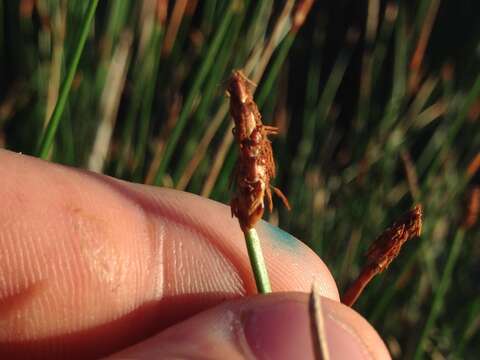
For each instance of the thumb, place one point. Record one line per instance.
(276, 326)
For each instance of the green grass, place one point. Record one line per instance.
(46, 140)
(127, 96)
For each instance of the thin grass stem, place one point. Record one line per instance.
(48, 136)
(257, 261)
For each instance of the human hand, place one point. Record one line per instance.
(90, 265)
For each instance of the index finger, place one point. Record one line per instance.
(90, 264)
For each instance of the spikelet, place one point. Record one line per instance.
(387, 246)
(255, 166)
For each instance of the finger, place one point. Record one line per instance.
(276, 326)
(89, 264)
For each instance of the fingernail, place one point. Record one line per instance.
(278, 235)
(283, 331)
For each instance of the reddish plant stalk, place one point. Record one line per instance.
(354, 291)
(386, 248)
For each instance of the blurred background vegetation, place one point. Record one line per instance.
(378, 103)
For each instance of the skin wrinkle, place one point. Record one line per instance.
(176, 264)
(156, 235)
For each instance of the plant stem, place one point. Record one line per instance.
(354, 291)
(49, 134)
(256, 260)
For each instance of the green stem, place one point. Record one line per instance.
(258, 263)
(49, 134)
(441, 290)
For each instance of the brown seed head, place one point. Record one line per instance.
(387, 246)
(255, 166)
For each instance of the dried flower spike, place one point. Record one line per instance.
(388, 244)
(386, 248)
(255, 165)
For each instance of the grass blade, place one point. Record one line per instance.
(48, 136)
